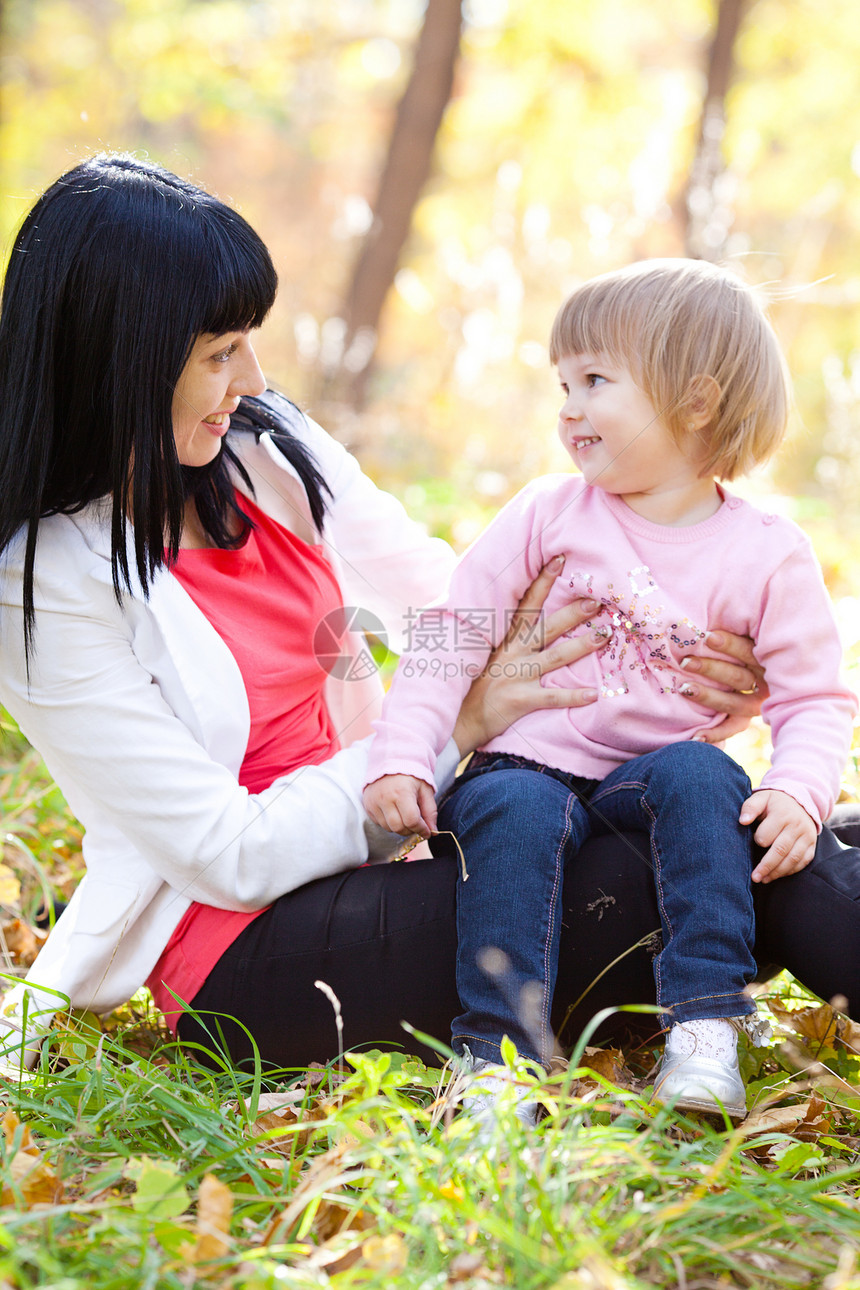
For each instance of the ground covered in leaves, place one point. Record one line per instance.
(125, 1163)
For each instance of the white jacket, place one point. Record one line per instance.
(141, 716)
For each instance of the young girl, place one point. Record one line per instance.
(673, 380)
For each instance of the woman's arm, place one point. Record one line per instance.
(132, 769)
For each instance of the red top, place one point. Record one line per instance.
(265, 600)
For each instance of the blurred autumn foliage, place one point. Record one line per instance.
(575, 138)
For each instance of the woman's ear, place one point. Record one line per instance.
(701, 402)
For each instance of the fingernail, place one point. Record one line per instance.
(590, 695)
(589, 606)
(600, 635)
(716, 640)
(692, 664)
(689, 691)
(557, 563)
(698, 739)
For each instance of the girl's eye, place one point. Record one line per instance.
(594, 378)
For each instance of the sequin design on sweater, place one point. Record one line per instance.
(641, 638)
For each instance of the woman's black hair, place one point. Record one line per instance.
(117, 269)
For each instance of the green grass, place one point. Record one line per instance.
(370, 1180)
(606, 1192)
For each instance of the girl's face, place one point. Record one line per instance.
(618, 440)
(219, 371)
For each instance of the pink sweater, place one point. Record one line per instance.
(662, 589)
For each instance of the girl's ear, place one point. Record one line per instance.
(701, 402)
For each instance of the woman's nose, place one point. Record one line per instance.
(249, 376)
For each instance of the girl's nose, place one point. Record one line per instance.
(570, 410)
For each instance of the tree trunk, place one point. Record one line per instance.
(710, 190)
(407, 166)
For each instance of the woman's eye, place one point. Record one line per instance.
(224, 354)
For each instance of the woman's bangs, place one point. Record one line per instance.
(238, 287)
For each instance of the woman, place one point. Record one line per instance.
(167, 591)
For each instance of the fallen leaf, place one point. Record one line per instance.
(849, 1034)
(276, 1111)
(160, 1192)
(817, 1025)
(32, 1178)
(608, 1062)
(342, 1233)
(594, 1274)
(774, 1119)
(10, 887)
(22, 941)
(325, 1173)
(465, 1265)
(11, 1124)
(214, 1211)
(385, 1253)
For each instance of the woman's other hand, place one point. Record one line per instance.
(744, 677)
(510, 685)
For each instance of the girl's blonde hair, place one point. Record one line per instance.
(696, 341)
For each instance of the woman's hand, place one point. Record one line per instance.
(509, 686)
(742, 674)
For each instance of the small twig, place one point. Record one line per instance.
(446, 833)
(338, 1019)
(573, 1007)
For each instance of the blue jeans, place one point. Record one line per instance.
(519, 824)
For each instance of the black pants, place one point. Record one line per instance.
(384, 939)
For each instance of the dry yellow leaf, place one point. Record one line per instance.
(10, 887)
(775, 1119)
(385, 1253)
(11, 1123)
(608, 1062)
(22, 941)
(817, 1025)
(849, 1035)
(214, 1211)
(33, 1177)
(35, 1181)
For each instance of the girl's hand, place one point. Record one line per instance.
(402, 804)
(743, 675)
(786, 830)
(509, 686)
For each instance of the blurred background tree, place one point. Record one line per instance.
(432, 180)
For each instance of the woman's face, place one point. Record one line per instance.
(219, 371)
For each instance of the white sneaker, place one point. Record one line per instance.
(699, 1070)
(489, 1085)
